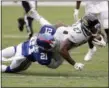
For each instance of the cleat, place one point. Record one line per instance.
(21, 24)
(90, 54)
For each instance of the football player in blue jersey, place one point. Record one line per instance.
(29, 51)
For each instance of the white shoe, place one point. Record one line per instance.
(90, 53)
(3, 68)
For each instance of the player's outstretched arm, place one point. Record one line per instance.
(67, 45)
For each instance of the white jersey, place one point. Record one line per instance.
(74, 33)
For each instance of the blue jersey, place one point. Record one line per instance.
(47, 29)
(31, 50)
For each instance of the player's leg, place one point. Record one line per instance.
(7, 53)
(91, 51)
(18, 64)
(21, 20)
(34, 14)
(27, 5)
(28, 23)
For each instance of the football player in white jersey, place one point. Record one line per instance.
(29, 7)
(100, 10)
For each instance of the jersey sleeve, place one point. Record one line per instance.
(47, 29)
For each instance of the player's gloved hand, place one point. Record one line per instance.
(100, 42)
(78, 66)
(76, 14)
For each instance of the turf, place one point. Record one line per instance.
(94, 74)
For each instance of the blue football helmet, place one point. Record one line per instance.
(46, 41)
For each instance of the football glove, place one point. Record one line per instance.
(78, 66)
(100, 42)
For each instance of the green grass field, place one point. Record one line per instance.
(94, 74)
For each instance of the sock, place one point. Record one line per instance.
(30, 20)
(26, 22)
(91, 46)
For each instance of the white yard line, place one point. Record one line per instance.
(43, 3)
(55, 77)
(14, 36)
